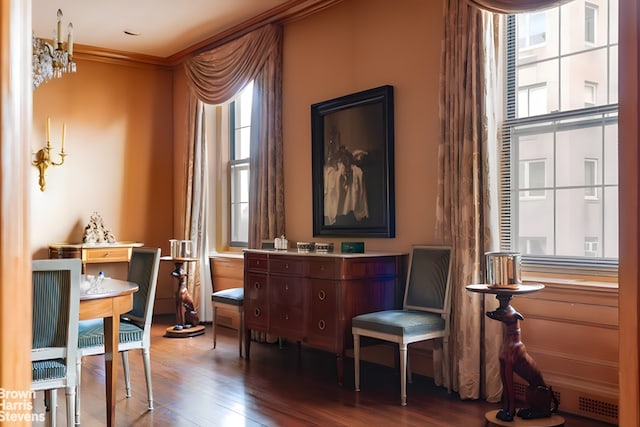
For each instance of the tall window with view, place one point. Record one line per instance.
(239, 148)
(560, 139)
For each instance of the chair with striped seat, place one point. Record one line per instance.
(135, 326)
(424, 315)
(56, 300)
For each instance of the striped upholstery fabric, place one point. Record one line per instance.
(91, 333)
(50, 308)
(43, 370)
(55, 312)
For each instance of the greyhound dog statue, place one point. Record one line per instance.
(514, 358)
(186, 313)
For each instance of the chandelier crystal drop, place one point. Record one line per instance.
(49, 61)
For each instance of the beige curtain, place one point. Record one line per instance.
(472, 82)
(514, 6)
(463, 216)
(214, 77)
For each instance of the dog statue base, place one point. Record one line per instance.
(554, 420)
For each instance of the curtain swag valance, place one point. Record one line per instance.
(217, 75)
(515, 6)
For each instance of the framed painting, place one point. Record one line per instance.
(352, 163)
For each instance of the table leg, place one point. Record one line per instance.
(111, 332)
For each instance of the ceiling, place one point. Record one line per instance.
(165, 27)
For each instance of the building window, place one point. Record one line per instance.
(591, 246)
(532, 179)
(590, 93)
(532, 100)
(532, 30)
(533, 245)
(591, 179)
(590, 21)
(559, 154)
(239, 148)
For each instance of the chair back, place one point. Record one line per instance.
(428, 279)
(56, 301)
(143, 271)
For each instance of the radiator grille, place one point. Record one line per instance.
(598, 407)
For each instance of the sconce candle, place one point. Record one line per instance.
(43, 156)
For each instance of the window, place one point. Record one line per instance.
(532, 179)
(590, 93)
(239, 145)
(559, 152)
(590, 179)
(591, 246)
(533, 245)
(532, 29)
(590, 21)
(532, 100)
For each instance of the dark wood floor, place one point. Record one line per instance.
(195, 385)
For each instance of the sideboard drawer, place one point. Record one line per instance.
(284, 265)
(322, 268)
(256, 262)
(99, 255)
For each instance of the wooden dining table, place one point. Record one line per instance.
(107, 299)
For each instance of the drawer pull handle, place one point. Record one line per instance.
(257, 312)
(322, 295)
(322, 325)
(286, 266)
(286, 317)
(257, 262)
(257, 285)
(286, 287)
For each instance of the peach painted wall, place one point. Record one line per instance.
(119, 144)
(353, 46)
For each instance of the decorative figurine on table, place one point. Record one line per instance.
(186, 314)
(541, 402)
(96, 232)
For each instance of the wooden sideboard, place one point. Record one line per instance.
(311, 297)
(96, 253)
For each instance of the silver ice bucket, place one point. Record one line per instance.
(503, 269)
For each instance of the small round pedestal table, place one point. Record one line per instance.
(504, 296)
(181, 330)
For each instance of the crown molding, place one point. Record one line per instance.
(287, 12)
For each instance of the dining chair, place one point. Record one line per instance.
(135, 325)
(56, 301)
(424, 314)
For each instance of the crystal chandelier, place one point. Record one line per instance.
(49, 62)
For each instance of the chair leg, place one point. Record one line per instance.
(356, 361)
(403, 374)
(127, 375)
(77, 396)
(71, 410)
(240, 328)
(409, 376)
(447, 374)
(53, 404)
(146, 358)
(213, 325)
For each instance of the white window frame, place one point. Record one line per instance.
(590, 7)
(590, 93)
(591, 189)
(527, 92)
(238, 168)
(591, 246)
(602, 115)
(526, 21)
(532, 193)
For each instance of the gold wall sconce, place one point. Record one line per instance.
(43, 156)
